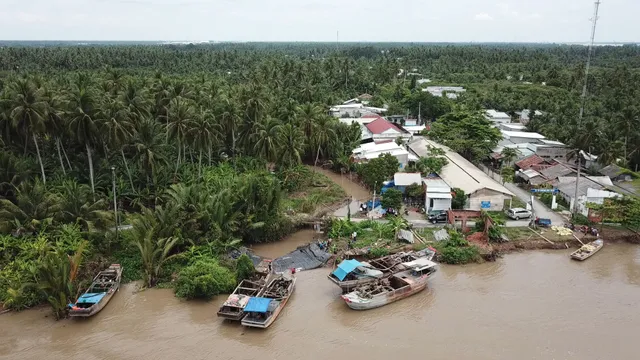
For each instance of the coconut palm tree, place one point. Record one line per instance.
(181, 114)
(34, 207)
(324, 135)
(56, 126)
(265, 138)
(228, 117)
(202, 135)
(291, 146)
(306, 116)
(77, 206)
(134, 97)
(150, 146)
(149, 235)
(81, 112)
(116, 126)
(28, 114)
(509, 154)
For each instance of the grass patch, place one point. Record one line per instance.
(518, 203)
(499, 216)
(519, 234)
(315, 191)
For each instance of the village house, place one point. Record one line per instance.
(372, 150)
(483, 193)
(381, 129)
(437, 195)
(616, 173)
(591, 189)
(354, 110)
(451, 92)
(402, 180)
(497, 117)
(525, 115)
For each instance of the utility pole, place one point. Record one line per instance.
(115, 202)
(583, 98)
(419, 112)
(373, 201)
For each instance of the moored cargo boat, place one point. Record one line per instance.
(262, 311)
(400, 285)
(233, 307)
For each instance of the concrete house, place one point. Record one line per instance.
(483, 193)
(497, 117)
(437, 195)
(368, 151)
(402, 180)
(382, 129)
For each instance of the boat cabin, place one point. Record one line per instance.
(259, 309)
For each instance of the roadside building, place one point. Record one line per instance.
(451, 92)
(354, 109)
(512, 127)
(525, 115)
(372, 150)
(481, 190)
(381, 129)
(616, 173)
(497, 117)
(437, 194)
(520, 137)
(402, 180)
(591, 189)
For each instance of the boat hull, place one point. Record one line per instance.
(347, 286)
(231, 316)
(246, 321)
(581, 256)
(382, 300)
(95, 308)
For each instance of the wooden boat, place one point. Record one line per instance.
(262, 311)
(398, 286)
(233, 307)
(351, 273)
(587, 251)
(102, 289)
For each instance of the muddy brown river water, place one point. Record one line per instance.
(531, 305)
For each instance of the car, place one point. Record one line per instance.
(440, 217)
(519, 213)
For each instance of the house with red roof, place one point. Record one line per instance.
(382, 129)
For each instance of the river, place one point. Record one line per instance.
(530, 305)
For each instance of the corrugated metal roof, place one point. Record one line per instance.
(522, 134)
(436, 185)
(529, 162)
(381, 125)
(459, 172)
(406, 179)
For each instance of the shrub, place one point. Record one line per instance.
(378, 252)
(456, 250)
(203, 280)
(244, 268)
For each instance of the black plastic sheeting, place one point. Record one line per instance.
(306, 257)
(303, 258)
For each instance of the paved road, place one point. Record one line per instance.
(540, 209)
(427, 224)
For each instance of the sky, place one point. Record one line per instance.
(319, 20)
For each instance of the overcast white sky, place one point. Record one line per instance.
(318, 20)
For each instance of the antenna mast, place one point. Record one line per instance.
(583, 98)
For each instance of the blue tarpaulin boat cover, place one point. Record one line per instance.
(345, 268)
(91, 298)
(257, 304)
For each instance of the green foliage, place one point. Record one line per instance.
(466, 132)
(244, 268)
(456, 250)
(378, 252)
(392, 198)
(415, 191)
(204, 279)
(459, 199)
(376, 171)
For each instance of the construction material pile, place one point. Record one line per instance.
(562, 231)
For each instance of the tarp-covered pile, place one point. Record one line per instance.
(304, 258)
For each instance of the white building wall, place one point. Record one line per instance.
(497, 200)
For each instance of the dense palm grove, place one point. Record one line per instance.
(205, 142)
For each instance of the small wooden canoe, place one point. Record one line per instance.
(102, 289)
(588, 250)
(262, 311)
(399, 286)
